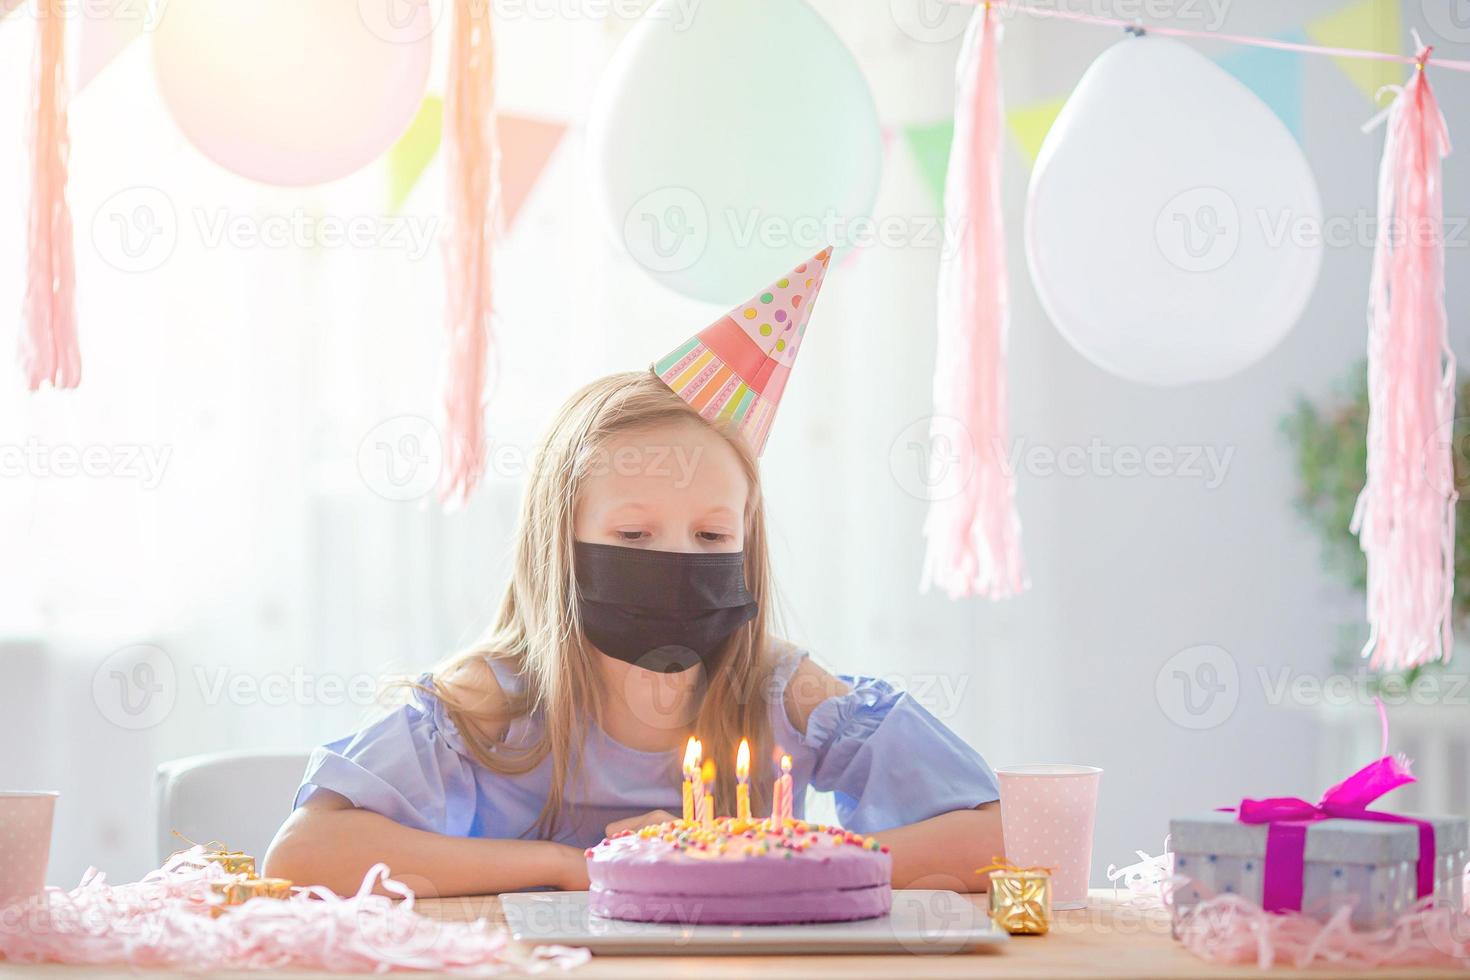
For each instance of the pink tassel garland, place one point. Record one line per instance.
(472, 173)
(1405, 517)
(974, 533)
(48, 337)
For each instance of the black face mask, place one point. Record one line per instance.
(663, 611)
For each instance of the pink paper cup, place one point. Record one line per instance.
(1046, 814)
(25, 844)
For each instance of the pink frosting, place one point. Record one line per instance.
(814, 876)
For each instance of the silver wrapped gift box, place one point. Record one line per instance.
(1371, 865)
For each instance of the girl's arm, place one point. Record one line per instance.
(944, 851)
(328, 841)
(940, 852)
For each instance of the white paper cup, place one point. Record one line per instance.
(25, 843)
(1047, 812)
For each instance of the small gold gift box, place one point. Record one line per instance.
(1020, 900)
(235, 862)
(238, 891)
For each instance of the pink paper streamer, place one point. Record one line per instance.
(48, 337)
(974, 534)
(1405, 517)
(164, 921)
(472, 165)
(1231, 929)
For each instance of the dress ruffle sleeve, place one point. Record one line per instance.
(410, 766)
(886, 759)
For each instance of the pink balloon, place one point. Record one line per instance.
(291, 92)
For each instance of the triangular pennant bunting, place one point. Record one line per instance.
(930, 147)
(1370, 25)
(1275, 77)
(526, 146)
(415, 149)
(1029, 124)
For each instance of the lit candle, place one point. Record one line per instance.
(707, 801)
(742, 781)
(692, 752)
(783, 785)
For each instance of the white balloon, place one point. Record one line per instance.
(731, 140)
(1173, 227)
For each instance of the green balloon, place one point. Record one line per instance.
(731, 140)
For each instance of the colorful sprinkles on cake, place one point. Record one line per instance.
(736, 369)
(745, 838)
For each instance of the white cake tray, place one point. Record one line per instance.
(923, 921)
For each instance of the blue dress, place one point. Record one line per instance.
(886, 760)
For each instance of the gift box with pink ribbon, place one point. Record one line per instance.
(1290, 854)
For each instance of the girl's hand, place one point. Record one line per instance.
(638, 823)
(571, 873)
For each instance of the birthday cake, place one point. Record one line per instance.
(739, 872)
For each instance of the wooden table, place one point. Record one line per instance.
(1107, 939)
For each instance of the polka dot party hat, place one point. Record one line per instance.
(736, 368)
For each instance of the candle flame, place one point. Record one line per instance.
(692, 753)
(742, 761)
(786, 765)
(708, 772)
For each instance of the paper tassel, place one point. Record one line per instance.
(1405, 517)
(48, 337)
(974, 534)
(472, 164)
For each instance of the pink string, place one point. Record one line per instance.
(1024, 7)
(974, 535)
(48, 339)
(1405, 516)
(472, 172)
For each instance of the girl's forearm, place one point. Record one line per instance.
(944, 851)
(336, 847)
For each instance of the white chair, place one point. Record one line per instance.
(238, 798)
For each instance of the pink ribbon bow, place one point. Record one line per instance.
(1288, 819)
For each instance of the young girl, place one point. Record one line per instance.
(636, 617)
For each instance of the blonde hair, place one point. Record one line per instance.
(538, 632)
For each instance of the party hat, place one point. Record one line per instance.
(736, 368)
